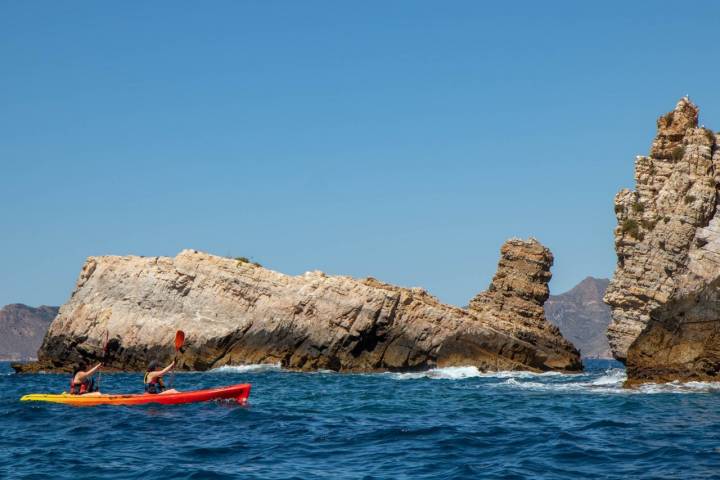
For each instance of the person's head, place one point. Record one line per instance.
(153, 366)
(80, 367)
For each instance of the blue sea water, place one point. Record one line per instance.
(444, 423)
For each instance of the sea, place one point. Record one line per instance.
(438, 424)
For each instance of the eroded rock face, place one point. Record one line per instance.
(237, 313)
(518, 291)
(682, 339)
(666, 226)
(665, 296)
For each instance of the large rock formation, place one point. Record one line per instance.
(583, 317)
(681, 340)
(234, 312)
(668, 247)
(22, 329)
(517, 293)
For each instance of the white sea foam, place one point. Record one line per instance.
(679, 387)
(522, 374)
(613, 377)
(447, 373)
(611, 382)
(461, 373)
(251, 368)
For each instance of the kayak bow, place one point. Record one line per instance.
(239, 393)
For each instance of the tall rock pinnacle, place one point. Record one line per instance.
(661, 224)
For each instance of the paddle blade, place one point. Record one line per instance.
(179, 339)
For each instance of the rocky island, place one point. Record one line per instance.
(664, 294)
(235, 312)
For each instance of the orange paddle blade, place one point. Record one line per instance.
(179, 339)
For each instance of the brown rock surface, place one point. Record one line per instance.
(663, 296)
(237, 313)
(517, 294)
(682, 339)
(674, 199)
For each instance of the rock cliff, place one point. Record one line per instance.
(583, 317)
(234, 312)
(682, 339)
(22, 329)
(668, 246)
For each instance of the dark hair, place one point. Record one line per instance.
(152, 366)
(80, 367)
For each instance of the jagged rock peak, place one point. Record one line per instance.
(661, 222)
(520, 285)
(590, 289)
(672, 127)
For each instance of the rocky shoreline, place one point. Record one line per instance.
(234, 312)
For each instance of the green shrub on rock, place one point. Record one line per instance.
(632, 228)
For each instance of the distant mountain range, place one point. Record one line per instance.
(583, 317)
(22, 329)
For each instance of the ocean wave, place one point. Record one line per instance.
(611, 382)
(447, 373)
(613, 377)
(680, 387)
(250, 368)
(461, 373)
(574, 387)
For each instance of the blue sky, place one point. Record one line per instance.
(404, 140)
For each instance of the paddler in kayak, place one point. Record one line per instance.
(83, 381)
(153, 379)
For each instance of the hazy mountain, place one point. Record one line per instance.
(22, 329)
(583, 317)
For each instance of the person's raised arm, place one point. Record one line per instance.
(168, 368)
(83, 375)
(158, 373)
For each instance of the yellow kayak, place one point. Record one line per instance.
(239, 393)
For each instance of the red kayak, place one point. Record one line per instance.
(238, 393)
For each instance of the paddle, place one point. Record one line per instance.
(104, 358)
(179, 340)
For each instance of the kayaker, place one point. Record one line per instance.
(83, 381)
(153, 379)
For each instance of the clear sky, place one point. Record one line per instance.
(400, 139)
